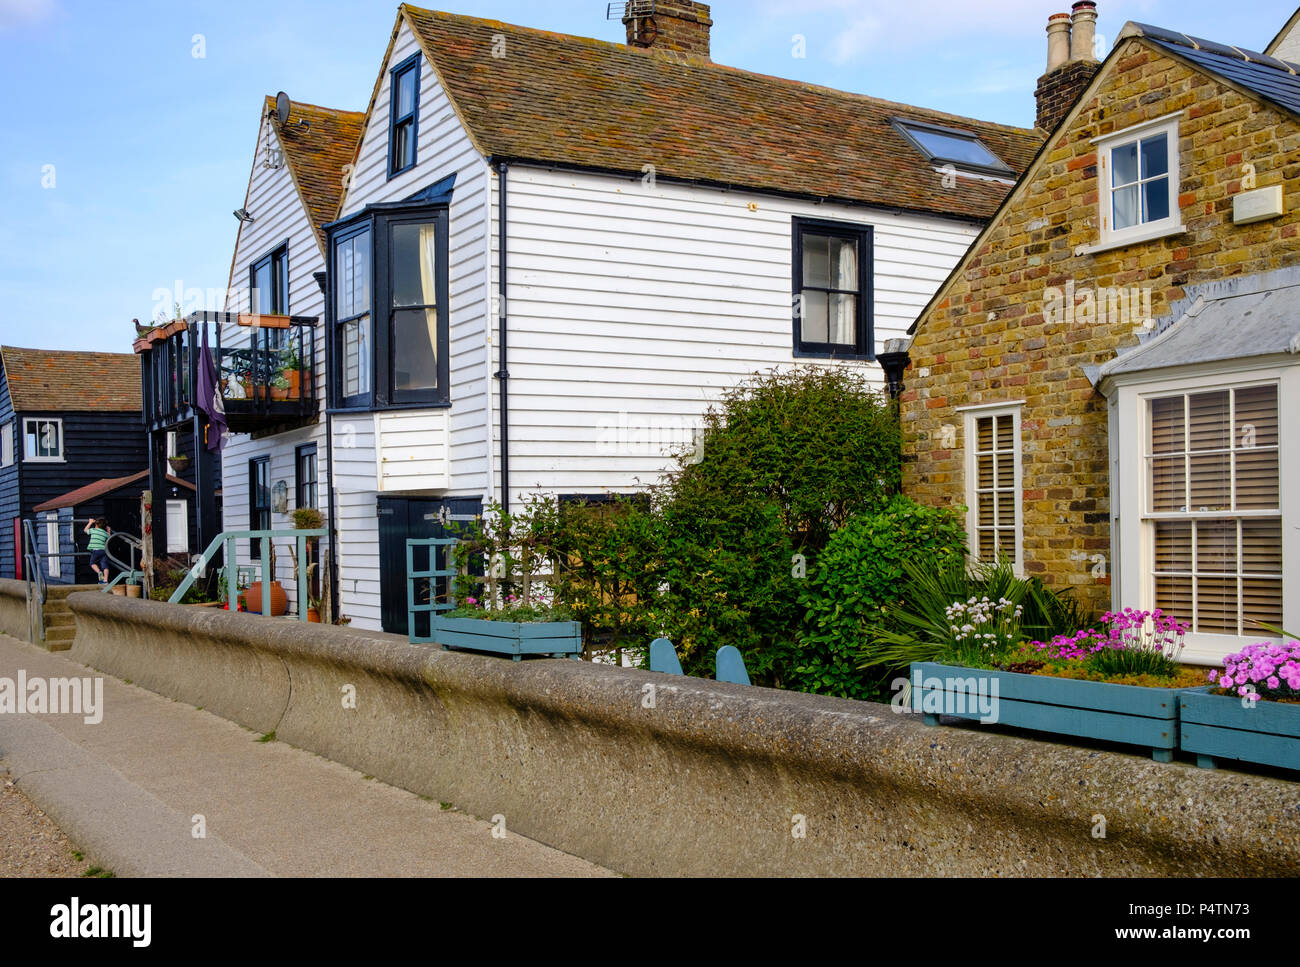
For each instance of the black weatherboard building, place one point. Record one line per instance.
(68, 420)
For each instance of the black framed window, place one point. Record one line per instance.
(415, 261)
(404, 111)
(832, 290)
(305, 476)
(353, 271)
(389, 308)
(268, 289)
(259, 493)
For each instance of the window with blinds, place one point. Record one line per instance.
(991, 485)
(1214, 508)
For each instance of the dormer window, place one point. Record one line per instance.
(952, 146)
(1137, 171)
(404, 109)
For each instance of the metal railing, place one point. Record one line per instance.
(228, 539)
(35, 578)
(126, 571)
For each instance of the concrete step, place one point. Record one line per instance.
(61, 619)
(57, 592)
(59, 639)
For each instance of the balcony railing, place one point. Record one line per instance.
(266, 377)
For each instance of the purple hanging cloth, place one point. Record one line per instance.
(209, 397)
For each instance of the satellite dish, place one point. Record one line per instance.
(282, 107)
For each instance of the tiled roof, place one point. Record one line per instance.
(317, 153)
(74, 498)
(593, 104)
(1274, 80)
(49, 379)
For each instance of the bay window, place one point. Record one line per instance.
(1214, 508)
(389, 308)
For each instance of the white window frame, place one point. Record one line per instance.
(969, 415)
(7, 445)
(31, 457)
(1144, 231)
(53, 563)
(1133, 536)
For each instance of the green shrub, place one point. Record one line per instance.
(857, 575)
(787, 457)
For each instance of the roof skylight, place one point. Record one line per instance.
(952, 146)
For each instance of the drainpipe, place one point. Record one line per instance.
(333, 576)
(502, 374)
(893, 361)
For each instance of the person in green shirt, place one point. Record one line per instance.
(98, 530)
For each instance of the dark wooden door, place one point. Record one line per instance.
(402, 518)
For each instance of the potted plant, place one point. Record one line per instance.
(279, 388)
(1118, 682)
(178, 463)
(291, 372)
(277, 601)
(1251, 710)
(308, 519)
(512, 628)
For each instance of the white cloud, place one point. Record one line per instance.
(23, 13)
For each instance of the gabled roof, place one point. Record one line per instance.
(1274, 80)
(44, 380)
(1264, 77)
(101, 488)
(317, 153)
(1285, 32)
(592, 104)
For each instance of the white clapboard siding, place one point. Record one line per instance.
(279, 217)
(632, 307)
(418, 451)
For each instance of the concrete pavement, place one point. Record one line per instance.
(131, 790)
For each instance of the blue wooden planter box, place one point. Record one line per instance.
(1095, 710)
(1220, 727)
(516, 639)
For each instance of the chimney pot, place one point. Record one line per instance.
(1058, 40)
(1083, 31)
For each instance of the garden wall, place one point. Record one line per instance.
(13, 608)
(694, 777)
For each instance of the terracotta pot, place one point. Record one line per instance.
(279, 601)
(313, 615)
(133, 590)
(279, 394)
(294, 376)
(119, 590)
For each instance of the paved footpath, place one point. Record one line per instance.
(129, 790)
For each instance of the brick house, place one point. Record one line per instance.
(1106, 380)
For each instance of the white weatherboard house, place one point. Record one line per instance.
(551, 253)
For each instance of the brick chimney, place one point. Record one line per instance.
(1071, 63)
(678, 27)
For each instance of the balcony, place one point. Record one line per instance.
(265, 370)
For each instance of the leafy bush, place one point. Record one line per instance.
(787, 458)
(857, 575)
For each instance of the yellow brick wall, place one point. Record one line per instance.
(987, 341)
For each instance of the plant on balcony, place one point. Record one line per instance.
(291, 368)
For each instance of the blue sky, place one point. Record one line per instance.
(150, 145)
